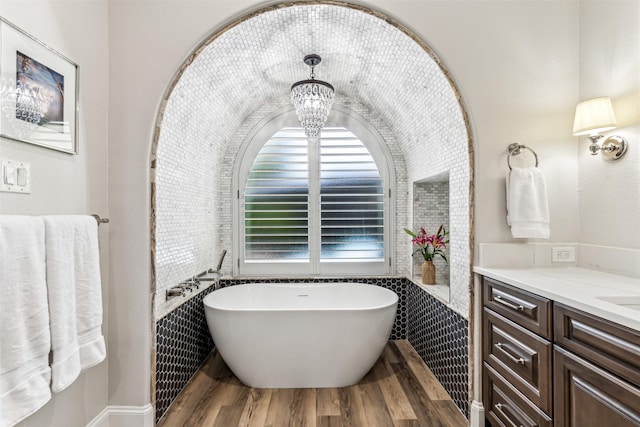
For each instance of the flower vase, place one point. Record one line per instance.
(428, 273)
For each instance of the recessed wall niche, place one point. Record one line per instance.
(430, 210)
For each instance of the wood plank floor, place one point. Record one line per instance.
(399, 391)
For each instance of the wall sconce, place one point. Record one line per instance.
(594, 116)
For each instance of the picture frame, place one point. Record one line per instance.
(38, 92)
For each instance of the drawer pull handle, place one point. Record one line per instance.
(503, 348)
(499, 407)
(511, 305)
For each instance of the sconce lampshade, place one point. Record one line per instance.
(594, 116)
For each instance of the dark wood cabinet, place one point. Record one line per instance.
(614, 347)
(524, 308)
(521, 357)
(517, 353)
(506, 406)
(588, 396)
(549, 364)
(596, 371)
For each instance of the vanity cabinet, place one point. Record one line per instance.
(530, 311)
(596, 371)
(546, 364)
(517, 356)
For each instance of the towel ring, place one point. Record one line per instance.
(515, 149)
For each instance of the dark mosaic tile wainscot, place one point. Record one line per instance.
(183, 342)
(440, 336)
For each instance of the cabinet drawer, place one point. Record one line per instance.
(526, 309)
(588, 396)
(505, 406)
(611, 346)
(520, 356)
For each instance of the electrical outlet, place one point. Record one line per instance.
(563, 254)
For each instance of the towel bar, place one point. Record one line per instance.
(100, 220)
(515, 149)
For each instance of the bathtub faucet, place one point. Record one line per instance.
(214, 278)
(208, 279)
(217, 270)
(190, 284)
(175, 292)
(183, 288)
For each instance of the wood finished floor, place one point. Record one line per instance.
(399, 391)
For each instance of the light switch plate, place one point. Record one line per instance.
(16, 176)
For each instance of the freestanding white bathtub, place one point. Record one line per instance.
(300, 335)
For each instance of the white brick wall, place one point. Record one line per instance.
(240, 76)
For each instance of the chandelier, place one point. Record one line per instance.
(312, 100)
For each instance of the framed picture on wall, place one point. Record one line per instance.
(38, 92)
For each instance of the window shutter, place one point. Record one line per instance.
(276, 200)
(351, 200)
(351, 194)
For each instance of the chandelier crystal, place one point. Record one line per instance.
(312, 100)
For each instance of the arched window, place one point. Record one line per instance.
(313, 208)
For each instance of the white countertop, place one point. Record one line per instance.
(579, 288)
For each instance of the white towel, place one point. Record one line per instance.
(75, 296)
(527, 205)
(24, 319)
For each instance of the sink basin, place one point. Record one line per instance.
(632, 302)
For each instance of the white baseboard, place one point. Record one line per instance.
(476, 414)
(124, 416)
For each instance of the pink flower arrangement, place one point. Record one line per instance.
(430, 245)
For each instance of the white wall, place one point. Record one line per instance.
(516, 65)
(609, 192)
(62, 183)
(147, 43)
